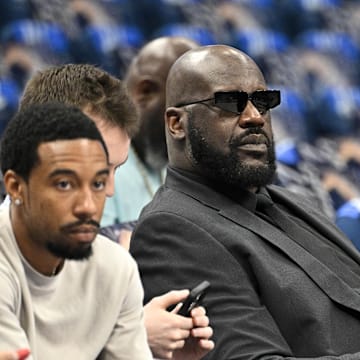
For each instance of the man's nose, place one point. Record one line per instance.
(86, 203)
(251, 117)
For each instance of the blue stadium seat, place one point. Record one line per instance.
(200, 34)
(260, 41)
(348, 220)
(106, 38)
(108, 46)
(295, 16)
(148, 16)
(336, 111)
(291, 114)
(330, 42)
(45, 37)
(9, 99)
(14, 10)
(256, 4)
(287, 153)
(315, 5)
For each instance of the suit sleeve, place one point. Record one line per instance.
(175, 253)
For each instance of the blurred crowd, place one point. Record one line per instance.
(309, 49)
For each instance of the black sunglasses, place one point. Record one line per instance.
(235, 101)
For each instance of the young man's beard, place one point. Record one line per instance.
(60, 245)
(228, 169)
(82, 252)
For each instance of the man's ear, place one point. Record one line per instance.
(13, 184)
(175, 119)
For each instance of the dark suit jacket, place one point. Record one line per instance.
(269, 296)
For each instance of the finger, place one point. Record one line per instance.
(200, 321)
(199, 318)
(177, 344)
(176, 309)
(172, 297)
(202, 332)
(206, 344)
(177, 335)
(198, 311)
(183, 334)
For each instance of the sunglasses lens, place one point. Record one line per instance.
(232, 101)
(265, 100)
(235, 101)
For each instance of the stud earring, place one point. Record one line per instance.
(17, 202)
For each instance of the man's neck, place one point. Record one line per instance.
(151, 160)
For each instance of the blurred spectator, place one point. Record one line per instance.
(14, 10)
(102, 40)
(48, 39)
(20, 62)
(138, 179)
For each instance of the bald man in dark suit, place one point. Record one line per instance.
(284, 280)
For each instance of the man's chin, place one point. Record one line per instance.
(81, 255)
(82, 252)
(249, 176)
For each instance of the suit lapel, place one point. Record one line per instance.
(335, 288)
(318, 221)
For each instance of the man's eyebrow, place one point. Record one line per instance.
(103, 172)
(72, 172)
(57, 172)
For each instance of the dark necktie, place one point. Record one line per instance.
(266, 206)
(329, 254)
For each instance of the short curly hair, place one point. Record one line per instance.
(37, 124)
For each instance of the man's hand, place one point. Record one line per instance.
(172, 336)
(198, 344)
(166, 330)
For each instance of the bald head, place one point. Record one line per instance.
(200, 71)
(156, 57)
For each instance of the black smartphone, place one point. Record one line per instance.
(194, 299)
